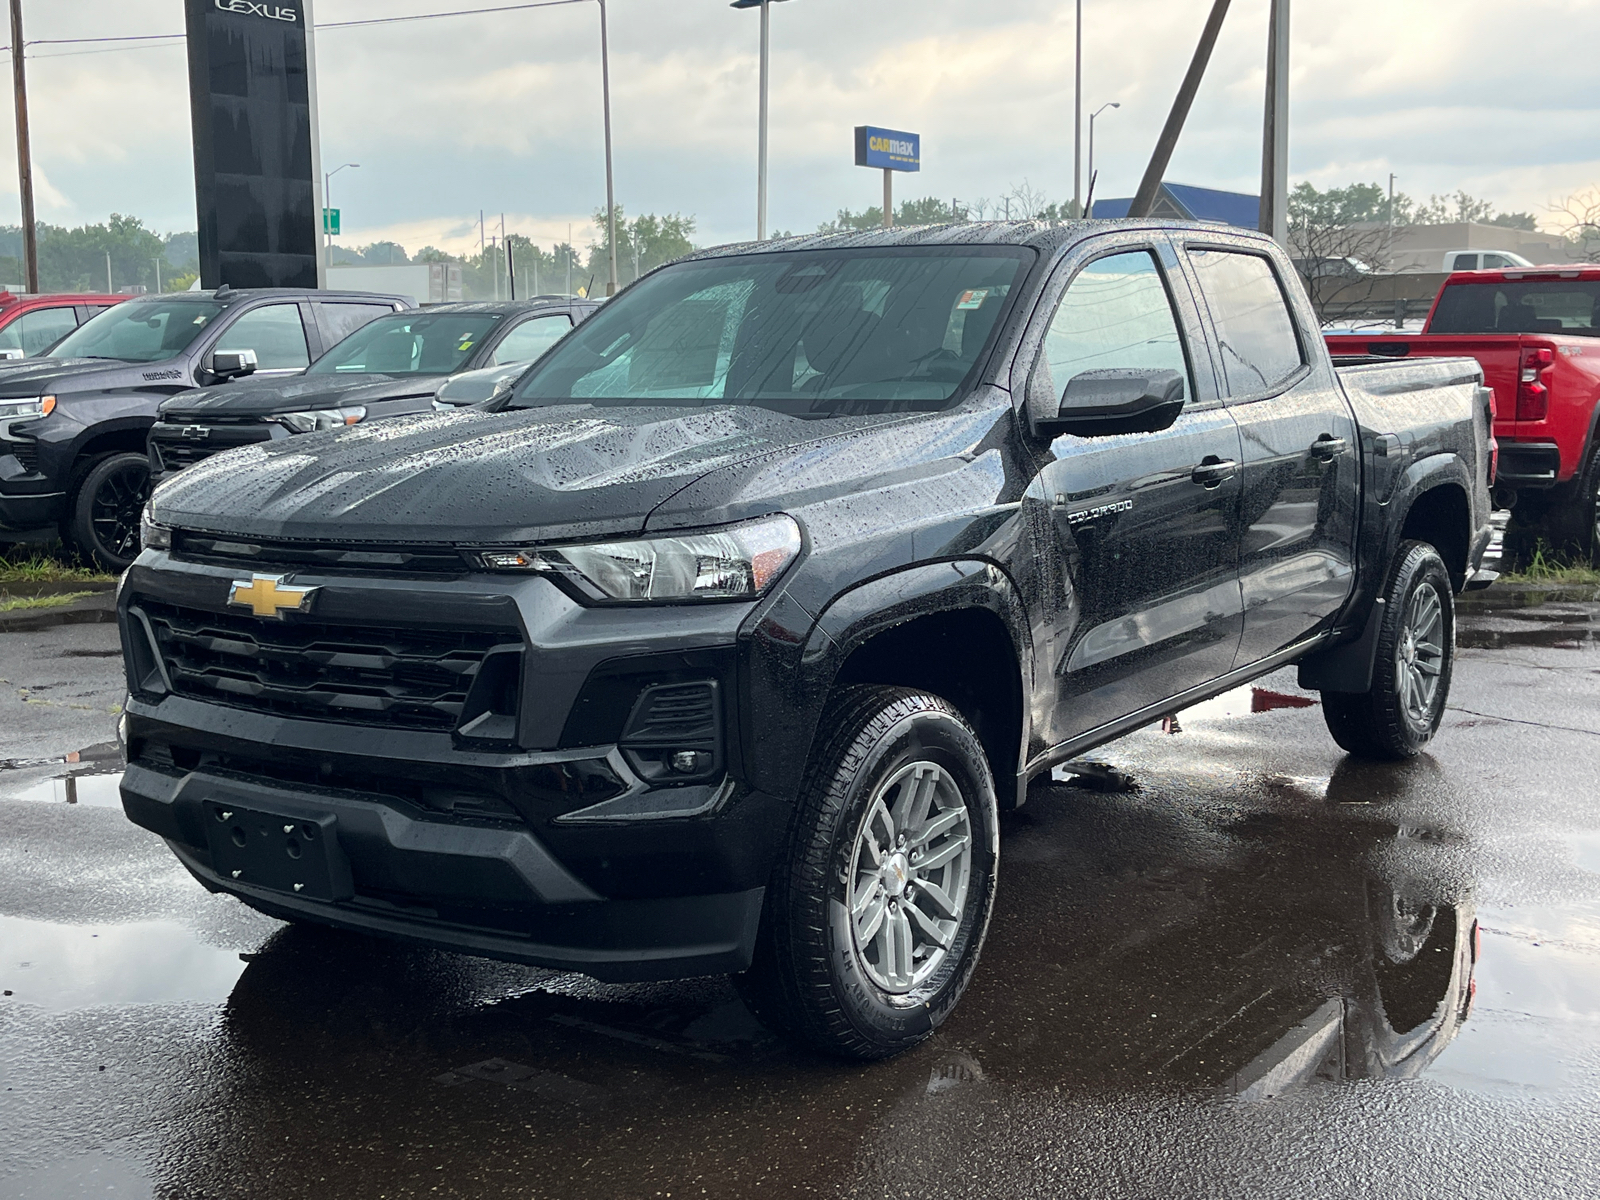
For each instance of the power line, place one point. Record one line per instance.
(166, 37)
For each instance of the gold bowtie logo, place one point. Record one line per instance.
(266, 596)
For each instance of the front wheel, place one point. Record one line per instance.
(877, 914)
(104, 525)
(1402, 710)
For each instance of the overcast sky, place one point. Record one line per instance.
(501, 112)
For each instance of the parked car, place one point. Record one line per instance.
(1536, 333)
(73, 421)
(720, 642)
(31, 323)
(389, 368)
(1482, 260)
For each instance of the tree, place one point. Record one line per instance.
(1337, 237)
(1578, 220)
(643, 244)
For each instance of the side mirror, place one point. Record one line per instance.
(233, 364)
(1099, 403)
(11, 354)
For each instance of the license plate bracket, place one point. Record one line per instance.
(295, 854)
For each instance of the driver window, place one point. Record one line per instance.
(1116, 314)
(274, 333)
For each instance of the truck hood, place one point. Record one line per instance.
(476, 477)
(295, 393)
(45, 376)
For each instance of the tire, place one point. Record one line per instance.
(106, 503)
(1573, 524)
(1399, 715)
(887, 760)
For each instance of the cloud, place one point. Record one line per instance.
(502, 111)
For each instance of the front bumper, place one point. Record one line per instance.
(552, 848)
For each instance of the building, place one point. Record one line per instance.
(1423, 247)
(1185, 202)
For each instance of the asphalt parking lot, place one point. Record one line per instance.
(1236, 965)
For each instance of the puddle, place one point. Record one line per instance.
(1242, 701)
(93, 791)
(1558, 637)
(64, 967)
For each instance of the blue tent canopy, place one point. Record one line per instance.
(1185, 202)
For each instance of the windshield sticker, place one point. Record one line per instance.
(972, 299)
(466, 345)
(201, 319)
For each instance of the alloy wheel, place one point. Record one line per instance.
(910, 870)
(116, 506)
(1421, 655)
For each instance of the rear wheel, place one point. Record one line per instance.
(876, 916)
(1402, 710)
(106, 506)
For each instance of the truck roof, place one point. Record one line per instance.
(1587, 271)
(1039, 235)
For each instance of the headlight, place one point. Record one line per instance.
(151, 535)
(321, 418)
(737, 562)
(33, 406)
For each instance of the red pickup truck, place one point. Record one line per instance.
(32, 323)
(1536, 330)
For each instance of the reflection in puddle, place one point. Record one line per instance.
(94, 791)
(1243, 701)
(62, 967)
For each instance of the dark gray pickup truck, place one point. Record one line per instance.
(719, 644)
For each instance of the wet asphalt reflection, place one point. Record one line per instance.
(1224, 961)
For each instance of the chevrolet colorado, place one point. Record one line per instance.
(719, 643)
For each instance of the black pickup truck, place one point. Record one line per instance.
(391, 367)
(719, 643)
(73, 422)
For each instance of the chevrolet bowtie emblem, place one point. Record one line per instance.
(266, 596)
(195, 433)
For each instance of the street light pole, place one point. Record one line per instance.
(761, 135)
(327, 208)
(1092, 116)
(611, 195)
(1077, 120)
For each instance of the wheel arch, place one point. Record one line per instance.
(956, 629)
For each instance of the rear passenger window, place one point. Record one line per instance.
(1259, 348)
(1116, 314)
(531, 339)
(339, 321)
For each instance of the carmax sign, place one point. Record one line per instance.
(888, 149)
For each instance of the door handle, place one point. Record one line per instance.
(1327, 447)
(1213, 471)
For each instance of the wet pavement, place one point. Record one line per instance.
(1227, 962)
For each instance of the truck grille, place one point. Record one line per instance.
(405, 678)
(387, 559)
(177, 451)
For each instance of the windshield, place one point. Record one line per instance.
(1526, 306)
(139, 331)
(810, 333)
(408, 344)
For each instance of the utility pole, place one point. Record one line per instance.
(1077, 119)
(110, 291)
(568, 253)
(19, 82)
(611, 196)
(1274, 219)
(157, 261)
(1144, 199)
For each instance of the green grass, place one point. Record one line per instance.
(1548, 567)
(46, 568)
(13, 603)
